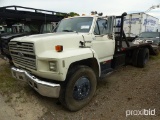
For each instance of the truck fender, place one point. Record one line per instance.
(88, 59)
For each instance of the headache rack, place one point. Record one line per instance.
(19, 13)
(120, 36)
(122, 43)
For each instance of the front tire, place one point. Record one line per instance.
(79, 88)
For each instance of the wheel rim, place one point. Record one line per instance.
(81, 88)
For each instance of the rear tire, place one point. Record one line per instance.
(135, 57)
(143, 57)
(79, 88)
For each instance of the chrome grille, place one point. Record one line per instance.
(23, 54)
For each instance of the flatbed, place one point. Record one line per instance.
(13, 13)
(123, 44)
(153, 48)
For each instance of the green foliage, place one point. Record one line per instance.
(156, 57)
(72, 14)
(8, 84)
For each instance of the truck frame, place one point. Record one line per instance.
(86, 48)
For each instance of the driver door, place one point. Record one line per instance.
(102, 44)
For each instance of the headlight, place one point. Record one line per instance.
(138, 41)
(52, 66)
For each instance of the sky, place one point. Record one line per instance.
(107, 7)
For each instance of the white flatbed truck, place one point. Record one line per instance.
(66, 64)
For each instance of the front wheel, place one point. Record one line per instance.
(79, 88)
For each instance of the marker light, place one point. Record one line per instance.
(59, 48)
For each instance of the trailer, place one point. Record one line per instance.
(67, 64)
(136, 23)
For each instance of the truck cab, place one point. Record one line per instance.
(94, 32)
(67, 63)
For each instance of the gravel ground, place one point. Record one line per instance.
(6, 112)
(128, 88)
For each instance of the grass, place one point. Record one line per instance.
(155, 57)
(9, 85)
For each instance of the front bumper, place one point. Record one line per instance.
(42, 87)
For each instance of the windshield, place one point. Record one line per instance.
(47, 28)
(149, 35)
(33, 28)
(21, 28)
(7, 29)
(79, 24)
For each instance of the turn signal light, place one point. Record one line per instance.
(59, 48)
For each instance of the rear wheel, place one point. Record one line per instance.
(135, 57)
(143, 57)
(79, 88)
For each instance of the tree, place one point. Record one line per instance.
(72, 14)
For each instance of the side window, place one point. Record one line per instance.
(101, 27)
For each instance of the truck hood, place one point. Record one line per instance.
(4, 34)
(10, 36)
(47, 42)
(47, 36)
(147, 40)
